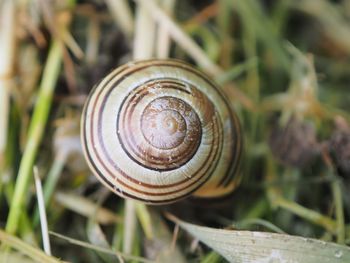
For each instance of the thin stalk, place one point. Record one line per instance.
(163, 37)
(118, 234)
(339, 211)
(51, 181)
(86, 207)
(43, 219)
(145, 30)
(251, 12)
(35, 134)
(129, 226)
(25, 227)
(93, 39)
(190, 46)
(307, 214)
(24, 248)
(224, 25)
(100, 249)
(122, 15)
(277, 200)
(145, 219)
(236, 71)
(7, 51)
(338, 200)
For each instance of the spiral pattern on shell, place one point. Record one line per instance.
(159, 130)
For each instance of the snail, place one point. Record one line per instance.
(160, 130)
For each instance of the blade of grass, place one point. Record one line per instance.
(253, 16)
(163, 39)
(100, 249)
(51, 181)
(331, 17)
(118, 233)
(85, 207)
(307, 214)
(129, 226)
(224, 25)
(32, 252)
(190, 46)
(252, 246)
(180, 36)
(15, 257)
(337, 197)
(42, 212)
(339, 211)
(237, 70)
(145, 219)
(122, 15)
(277, 200)
(35, 133)
(145, 31)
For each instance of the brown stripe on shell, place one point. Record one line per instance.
(235, 153)
(124, 72)
(126, 118)
(207, 161)
(111, 161)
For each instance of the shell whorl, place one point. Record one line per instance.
(159, 130)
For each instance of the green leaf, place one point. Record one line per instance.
(251, 246)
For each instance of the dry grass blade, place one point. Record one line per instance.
(15, 257)
(86, 208)
(42, 212)
(180, 37)
(129, 226)
(145, 30)
(163, 38)
(251, 246)
(100, 249)
(188, 44)
(121, 13)
(24, 248)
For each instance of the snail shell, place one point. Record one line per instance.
(159, 130)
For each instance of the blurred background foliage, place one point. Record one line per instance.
(284, 65)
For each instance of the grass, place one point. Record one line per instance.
(284, 66)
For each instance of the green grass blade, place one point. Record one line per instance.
(36, 130)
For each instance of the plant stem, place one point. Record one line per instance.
(35, 134)
(51, 182)
(180, 36)
(307, 214)
(7, 52)
(145, 31)
(129, 225)
(339, 211)
(24, 248)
